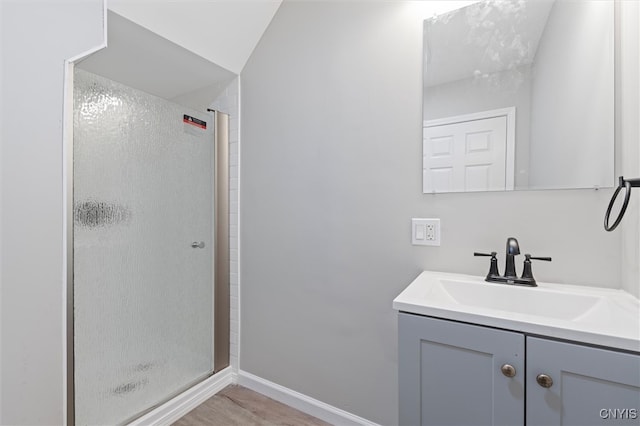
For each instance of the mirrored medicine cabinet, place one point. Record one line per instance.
(519, 95)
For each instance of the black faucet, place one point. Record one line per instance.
(513, 249)
(510, 276)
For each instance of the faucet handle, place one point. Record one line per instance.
(492, 254)
(529, 257)
(527, 273)
(493, 268)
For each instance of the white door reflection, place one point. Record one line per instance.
(473, 152)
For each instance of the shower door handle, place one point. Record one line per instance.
(196, 244)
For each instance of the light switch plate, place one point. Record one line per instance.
(425, 232)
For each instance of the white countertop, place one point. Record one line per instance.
(593, 315)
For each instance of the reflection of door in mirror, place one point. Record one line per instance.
(473, 152)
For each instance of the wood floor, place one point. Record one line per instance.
(236, 405)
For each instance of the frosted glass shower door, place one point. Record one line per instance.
(143, 249)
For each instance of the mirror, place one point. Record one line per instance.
(519, 95)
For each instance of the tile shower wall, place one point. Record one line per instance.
(227, 102)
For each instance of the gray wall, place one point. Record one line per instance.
(330, 178)
(36, 39)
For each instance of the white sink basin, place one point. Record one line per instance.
(587, 314)
(503, 297)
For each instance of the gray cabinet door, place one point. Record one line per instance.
(450, 374)
(591, 386)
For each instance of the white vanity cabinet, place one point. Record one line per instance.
(453, 373)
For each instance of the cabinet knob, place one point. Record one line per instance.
(544, 380)
(508, 370)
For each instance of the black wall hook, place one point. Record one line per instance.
(627, 184)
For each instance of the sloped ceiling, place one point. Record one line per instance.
(140, 58)
(224, 32)
(186, 51)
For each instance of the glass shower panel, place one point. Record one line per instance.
(143, 249)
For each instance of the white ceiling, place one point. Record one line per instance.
(139, 58)
(223, 31)
(186, 51)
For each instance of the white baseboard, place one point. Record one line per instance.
(304, 403)
(188, 400)
(179, 406)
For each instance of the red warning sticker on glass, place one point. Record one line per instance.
(194, 121)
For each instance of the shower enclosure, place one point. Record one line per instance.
(144, 234)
